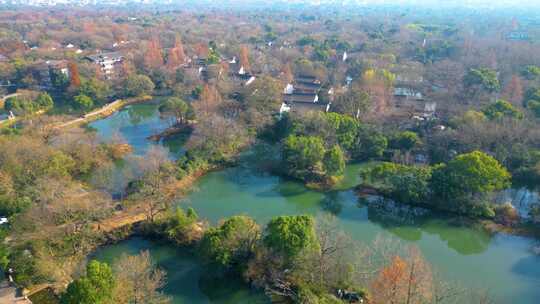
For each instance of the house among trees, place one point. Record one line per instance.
(108, 62)
(302, 96)
(241, 68)
(46, 72)
(427, 112)
(407, 93)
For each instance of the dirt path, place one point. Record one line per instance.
(8, 295)
(137, 213)
(121, 219)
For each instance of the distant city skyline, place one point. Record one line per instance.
(424, 3)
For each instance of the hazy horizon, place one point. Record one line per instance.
(485, 4)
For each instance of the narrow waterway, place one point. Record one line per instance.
(503, 265)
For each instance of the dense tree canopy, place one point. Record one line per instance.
(406, 141)
(469, 174)
(232, 243)
(177, 108)
(22, 105)
(484, 78)
(138, 85)
(406, 184)
(95, 287)
(501, 108)
(290, 235)
(83, 102)
(369, 144)
(303, 156)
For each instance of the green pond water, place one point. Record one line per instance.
(504, 265)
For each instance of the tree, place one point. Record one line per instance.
(303, 156)
(377, 83)
(183, 227)
(369, 144)
(406, 184)
(138, 281)
(96, 89)
(514, 90)
(331, 265)
(74, 77)
(178, 109)
(152, 188)
(334, 161)
(44, 101)
(244, 58)
(172, 60)
(153, 57)
(232, 243)
(531, 72)
(59, 80)
(406, 141)
(263, 96)
(213, 55)
(291, 235)
(483, 78)
(388, 287)
(138, 85)
(501, 108)
(22, 105)
(468, 175)
(83, 102)
(179, 49)
(346, 129)
(209, 100)
(407, 280)
(354, 102)
(94, 288)
(534, 106)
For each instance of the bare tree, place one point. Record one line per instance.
(138, 281)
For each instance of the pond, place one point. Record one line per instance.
(135, 123)
(504, 265)
(186, 282)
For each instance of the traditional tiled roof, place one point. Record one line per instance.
(300, 97)
(306, 107)
(105, 56)
(307, 87)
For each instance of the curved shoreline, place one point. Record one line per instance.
(105, 111)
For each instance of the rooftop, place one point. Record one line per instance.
(304, 107)
(300, 97)
(103, 56)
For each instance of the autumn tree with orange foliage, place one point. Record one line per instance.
(176, 55)
(209, 101)
(287, 74)
(153, 57)
(406, 280)
(89, 27)
(202, 50)
(244, 58)
(179, 49)
(513, 92)
(172, 60)
(74, 76)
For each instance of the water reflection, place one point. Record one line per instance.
(464, 237)
(504, 264)
(186, 283)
